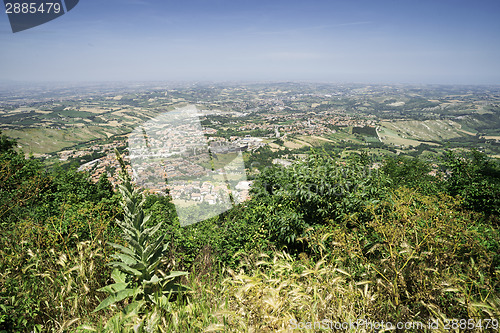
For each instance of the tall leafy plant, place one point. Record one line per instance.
(476, 178)
(136, 272)
(317, 191)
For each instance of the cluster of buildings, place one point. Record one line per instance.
(107, 165)
(211, 192)
(65, 155)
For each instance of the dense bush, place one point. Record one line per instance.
(319, 190)
(471, 175)
(413, 173)
(476, 178)
(53, 226)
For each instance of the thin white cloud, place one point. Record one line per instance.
(311, 28)
(138, 2)
(293, 55)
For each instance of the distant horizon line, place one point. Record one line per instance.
(101, 82)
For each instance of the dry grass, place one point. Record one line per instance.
(282, 292)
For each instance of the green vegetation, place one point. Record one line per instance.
(48, 140)
(365, 131)
(476, 178)
(136, 272)
(328, 238)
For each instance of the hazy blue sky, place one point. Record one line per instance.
(418, 41)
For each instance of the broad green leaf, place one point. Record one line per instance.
(151, 231)
(154, 251)
(114, 288)
(138, 248)
(125, 268)
(125, 258)
(175, 274)
(124, 249)
(134, 307)
(117, 276)
(139, 266)
(121, 295)
(145, 221)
